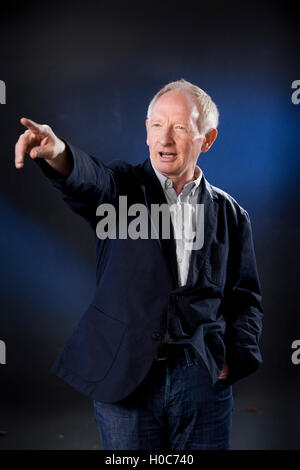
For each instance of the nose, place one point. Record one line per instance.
(165, 136)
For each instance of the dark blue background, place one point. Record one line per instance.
(89, 72)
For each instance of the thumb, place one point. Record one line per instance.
(42, 152)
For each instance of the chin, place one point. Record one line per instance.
(165, 164)
(166, 168)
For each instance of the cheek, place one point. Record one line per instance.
(150, 140)
(186, 147)
(194, 148)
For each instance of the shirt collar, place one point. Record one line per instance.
(167, 183)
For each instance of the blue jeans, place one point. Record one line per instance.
(175, 407)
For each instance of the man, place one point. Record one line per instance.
(171, 326)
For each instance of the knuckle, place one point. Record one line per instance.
(46, 127)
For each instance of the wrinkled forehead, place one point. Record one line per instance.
(176, 105)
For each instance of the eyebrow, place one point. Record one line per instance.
(177, 121)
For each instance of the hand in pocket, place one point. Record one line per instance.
(224, 372)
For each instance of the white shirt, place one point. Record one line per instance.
(189, 196)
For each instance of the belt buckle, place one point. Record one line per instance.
(161, 358)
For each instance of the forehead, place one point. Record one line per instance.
(175, 104)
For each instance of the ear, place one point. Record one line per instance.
(210, 137)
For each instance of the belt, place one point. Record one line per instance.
(168, 349)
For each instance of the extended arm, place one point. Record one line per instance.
(83, 181)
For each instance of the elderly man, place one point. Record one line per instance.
(172, 325)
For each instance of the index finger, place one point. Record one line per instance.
(33, 126)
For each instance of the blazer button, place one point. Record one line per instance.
(156, 336)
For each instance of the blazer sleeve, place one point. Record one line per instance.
(89, 184)
(243, 304)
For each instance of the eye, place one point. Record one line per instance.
(155, 124)
(181, 128)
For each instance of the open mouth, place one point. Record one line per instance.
(167, 156)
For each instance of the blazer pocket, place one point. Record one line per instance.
(216, 263)
(93, 346)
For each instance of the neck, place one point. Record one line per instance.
(180, 181)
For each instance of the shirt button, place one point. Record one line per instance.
(156, 336)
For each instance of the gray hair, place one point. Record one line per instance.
(209, 114)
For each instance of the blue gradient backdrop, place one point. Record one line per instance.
(89, 72)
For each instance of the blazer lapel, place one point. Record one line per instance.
(206, 197)
(154, 194)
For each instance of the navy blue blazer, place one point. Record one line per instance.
(219, 311)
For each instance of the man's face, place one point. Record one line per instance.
(172, 135)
